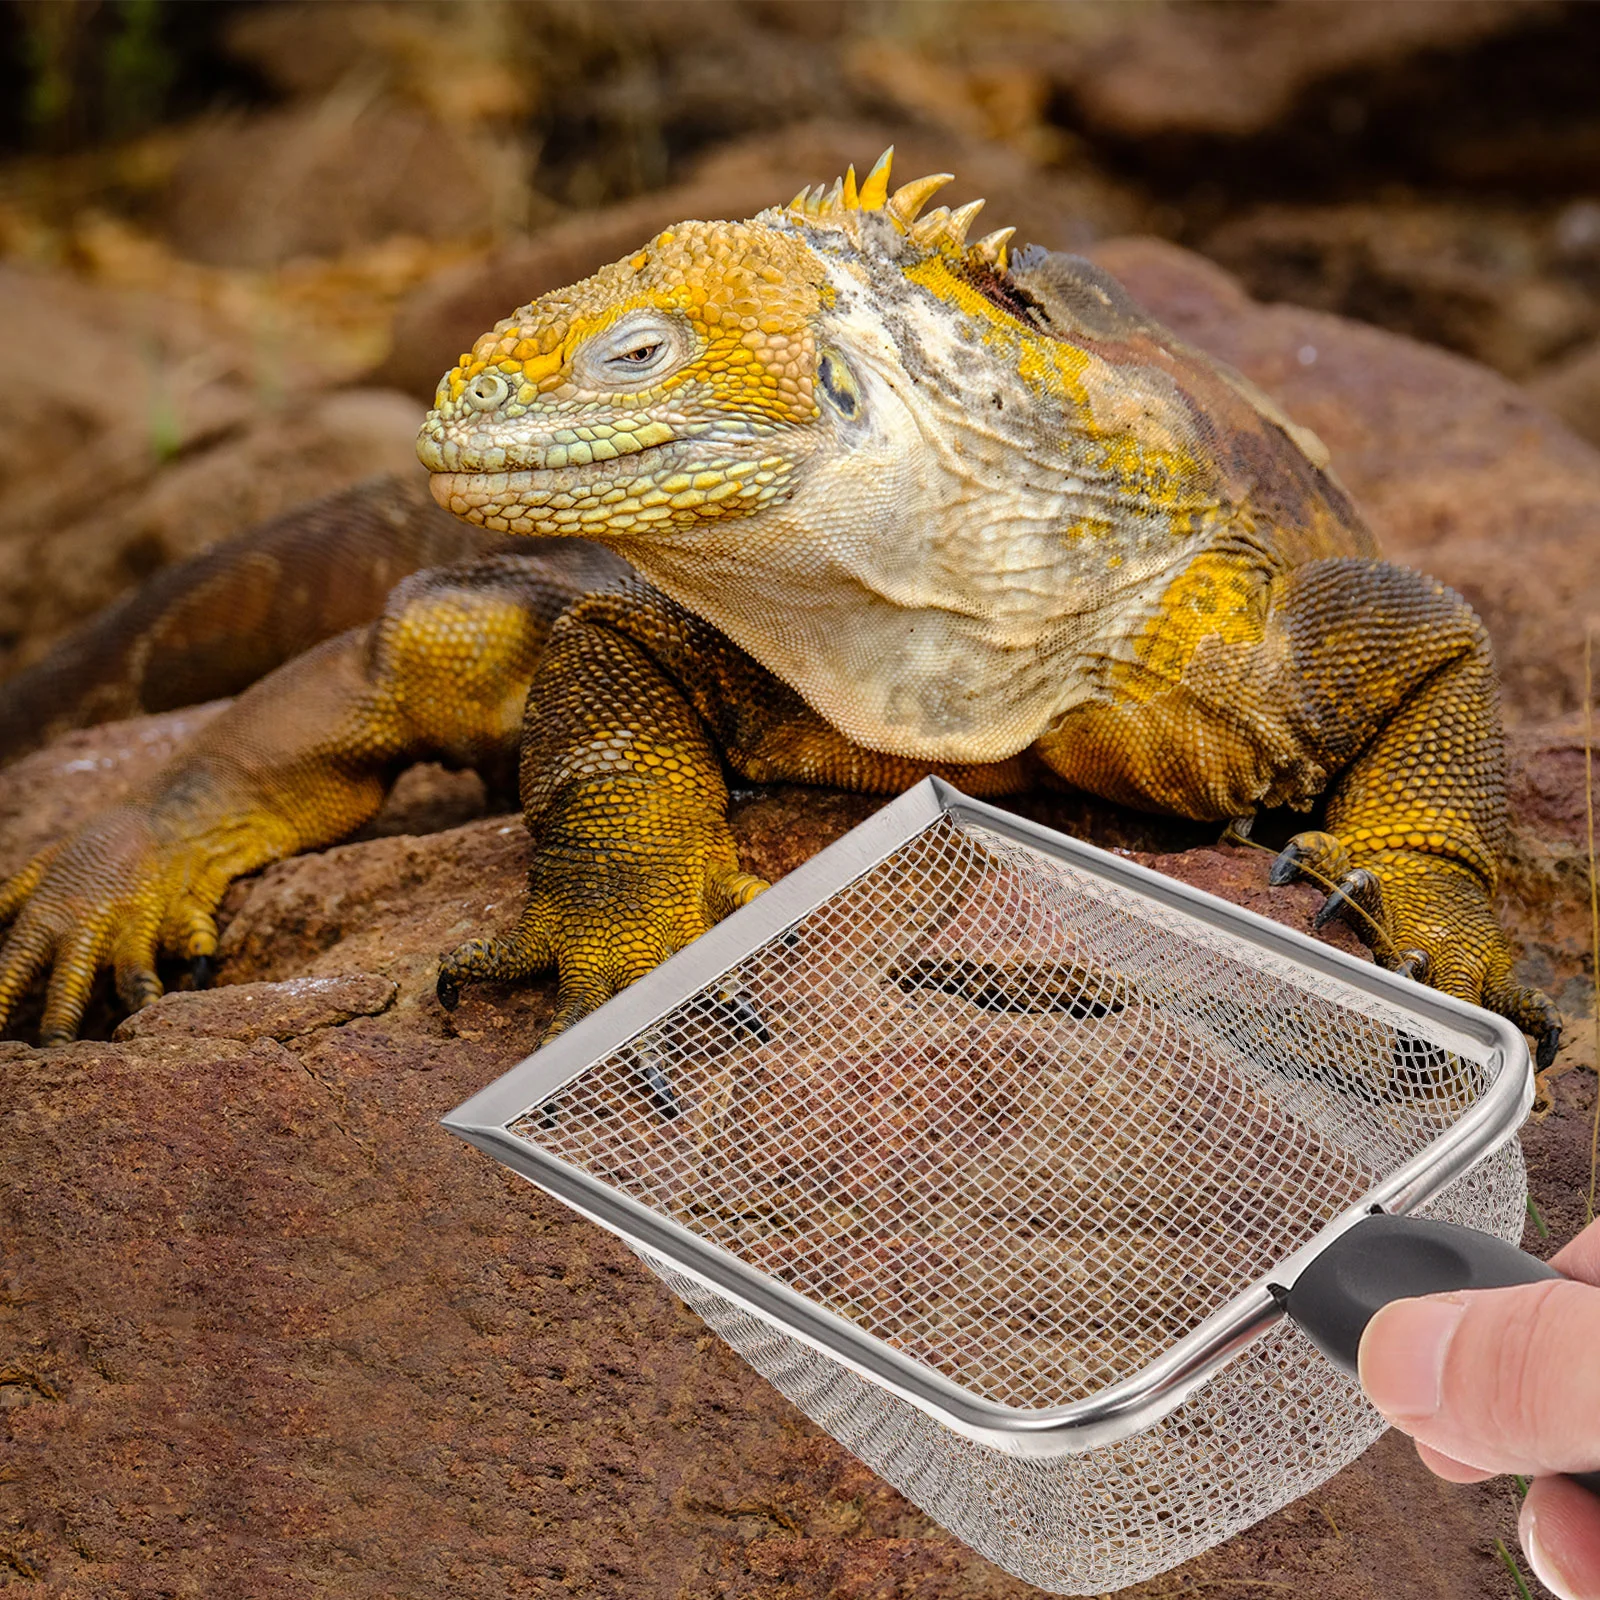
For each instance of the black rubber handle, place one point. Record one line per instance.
(1387, 1258)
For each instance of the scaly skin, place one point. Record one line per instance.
(903, 504)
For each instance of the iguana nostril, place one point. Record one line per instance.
(486, 391)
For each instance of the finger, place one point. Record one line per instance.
(70, 984)
(1580, 1257)
(24, 957)
(1451, 1470)
(22, 884)
(1560, 1531)
(135, 962)
(1501, 1379)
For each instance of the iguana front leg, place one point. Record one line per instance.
(1367, 680)
(298, 762)
(635, 709)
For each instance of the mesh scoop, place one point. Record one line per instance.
(993, 1151)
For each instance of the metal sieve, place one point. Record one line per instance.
(997, 1154)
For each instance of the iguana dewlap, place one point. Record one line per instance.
(900, 503)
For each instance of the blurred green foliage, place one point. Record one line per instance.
(137, 67)
(77, 72)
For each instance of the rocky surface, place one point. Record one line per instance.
(1234, 74)
(1570, 389)
(193, 441)
(1511, 289)
(250, 1011)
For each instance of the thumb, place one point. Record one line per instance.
(1507, 1380)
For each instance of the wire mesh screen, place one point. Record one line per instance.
(1028, 1127)
(1269, 1428)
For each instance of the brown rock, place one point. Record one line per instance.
(423, 56)
(1226, 71)
(1483, 281)
(183, 384)
(48, 793)
(324, 179)
(250, 1011)
(62, 557)
(1544, 881)
(391, 907)
(1570, 389)
(1457, 470)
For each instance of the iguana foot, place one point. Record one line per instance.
(604, 915)
(116, 895)
(1426, 917)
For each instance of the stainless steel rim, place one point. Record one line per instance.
(1118, 1411)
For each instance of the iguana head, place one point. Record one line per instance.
(848, 438)
(696, 380)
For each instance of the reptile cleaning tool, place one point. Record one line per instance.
(1004, 1159)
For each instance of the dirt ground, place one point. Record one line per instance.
(265, 1330)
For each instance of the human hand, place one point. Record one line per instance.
(1507, 1380)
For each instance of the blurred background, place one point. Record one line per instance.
(240, 241)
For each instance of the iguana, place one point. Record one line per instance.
(895, 502)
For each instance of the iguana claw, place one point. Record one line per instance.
(648, 1066)
(1286, 865)
(603, 918)
(1429, 919)
(1356, 891)
(743, 1015)
(1413, 964)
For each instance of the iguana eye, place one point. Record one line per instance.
(638, 350)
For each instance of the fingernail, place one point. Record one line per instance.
(1544, 1569)
(1402, 1355)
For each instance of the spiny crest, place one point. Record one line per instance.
(940, 229)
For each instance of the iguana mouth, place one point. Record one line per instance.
(568, 451)
(634, 493)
